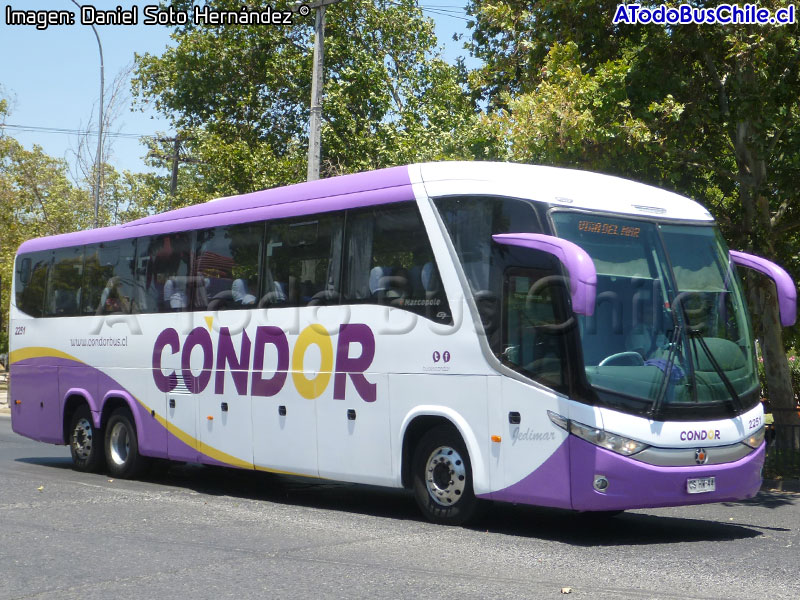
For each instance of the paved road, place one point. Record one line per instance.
(210, 533)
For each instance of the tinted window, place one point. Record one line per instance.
(303, 261)
(163, 273)
(226, 267)
(109, 285)
(64, 283)
(389, 261)
(533, 328)
(471, 223)
(31, 282)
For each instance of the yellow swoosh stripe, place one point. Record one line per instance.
(39, 352)
(202, 447)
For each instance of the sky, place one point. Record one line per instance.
(51, 77)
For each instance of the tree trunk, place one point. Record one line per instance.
(776, 366)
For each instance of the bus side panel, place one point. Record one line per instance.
(35, 402)
(533, 465)
(353, 436)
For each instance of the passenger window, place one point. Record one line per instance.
(533, 327)
(163, 273)
(108, 283)
(227, 266)
(64, 283)
(303, 261)
(31, 282)
(389, 261)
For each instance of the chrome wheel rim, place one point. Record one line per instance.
(120, 444)
(445, 476)
(82, 439)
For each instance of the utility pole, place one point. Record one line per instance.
(99, 159)
(315, 121)
(173, 186)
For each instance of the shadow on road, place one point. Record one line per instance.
(626, 529)
(768, 500)
(542, 523)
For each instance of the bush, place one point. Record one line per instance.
(794, 372)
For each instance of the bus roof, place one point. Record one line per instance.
(335, 193)
(569, 188)
(564, 187)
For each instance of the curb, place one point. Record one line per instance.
(781, 485)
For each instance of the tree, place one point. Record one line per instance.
(709, 111)
(36, 198)
(239, 96)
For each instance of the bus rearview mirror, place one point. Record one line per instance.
(579, 265)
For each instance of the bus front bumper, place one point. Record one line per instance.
(634, 484)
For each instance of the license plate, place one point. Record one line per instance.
(701, 485)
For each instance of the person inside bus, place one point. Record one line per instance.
(240, 293)
(175, 294)
(112, 300)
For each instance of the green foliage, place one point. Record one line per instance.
(794, 371)
(240, 97)
(36, 199)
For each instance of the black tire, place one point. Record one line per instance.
(85, 441)
(443, 478)
(122, 446)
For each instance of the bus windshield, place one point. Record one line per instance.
(670, 326)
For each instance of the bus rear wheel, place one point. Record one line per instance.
(85, 441)
(443, 478)
(122, 447)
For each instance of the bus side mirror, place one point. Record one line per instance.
(787, 292)
(579, 265)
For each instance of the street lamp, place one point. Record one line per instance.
(99, 159)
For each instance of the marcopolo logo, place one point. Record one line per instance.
(247, 365)
(691, 436)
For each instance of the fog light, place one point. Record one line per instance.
(600, 483)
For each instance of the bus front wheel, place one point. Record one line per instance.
(85, 441)
(443, 478)
(122, 447)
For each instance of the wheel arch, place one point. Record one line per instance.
(73, 399)
(115, 399)
(423, 419)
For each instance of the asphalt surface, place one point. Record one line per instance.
(191, 531)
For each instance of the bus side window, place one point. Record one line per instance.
(388, 260)
(226, 269)
(108, 279)
(303, 261)
(163, 276)
(31, 282)
(64, 283)
(533, 339)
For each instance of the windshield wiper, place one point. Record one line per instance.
(736, 401)
(673, 346)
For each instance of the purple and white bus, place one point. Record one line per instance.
(473, 331)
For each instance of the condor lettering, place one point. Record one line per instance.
(248, 363)
(701, 436)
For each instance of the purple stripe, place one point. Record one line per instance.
(565, 480)
(546, 486)
(633, 484)
(338, 193)
(36, 381)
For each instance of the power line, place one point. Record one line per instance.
(64, 131)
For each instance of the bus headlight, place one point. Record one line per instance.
(609, 441)
(756, 439)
